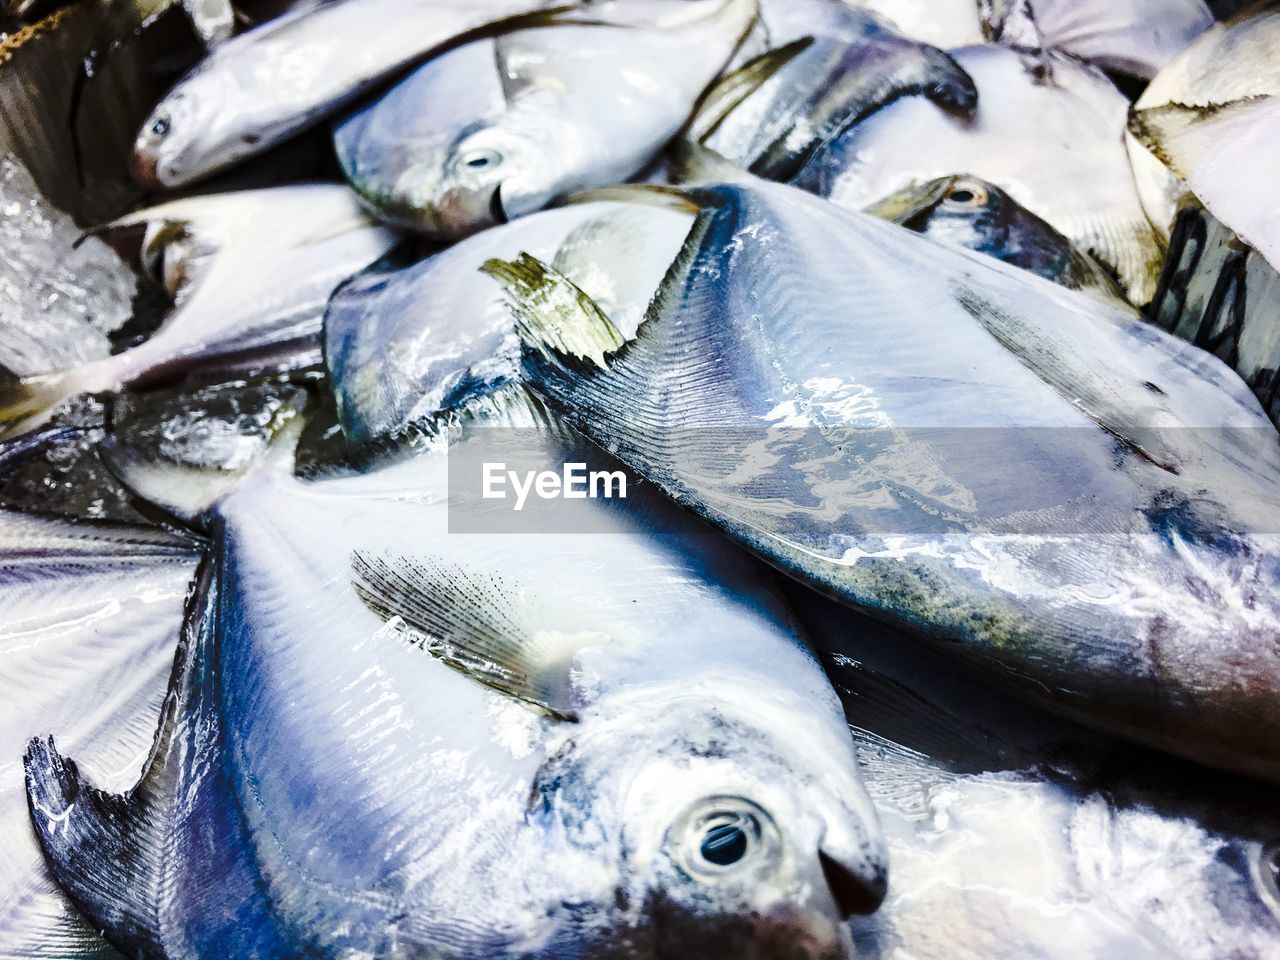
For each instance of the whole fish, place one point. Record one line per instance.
(389, 739)
(88, 628)
(1053, 143)
(250, 274)
(831, 65)
(1211, 117)
(498, 128)
(967, 212)
(404, 346)
(1066, 499)
(268, 84)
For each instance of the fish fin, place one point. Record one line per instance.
(1160, 128)
(164, 868)
(187, 491)
(729, 93)
(470, 622)
(693, 162)
(553, 313)
(1126, 243)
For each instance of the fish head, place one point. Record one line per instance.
(183, 140)
(497, 170)
(961, 211)
(729, 838)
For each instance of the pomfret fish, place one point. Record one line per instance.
(88, 627)
(831, 65)
(385, 738)
(1063, 497)
(1053, 143)
(967, 212)
(250, 274)
(262, 87)
(1211, 117)
(498, 128)
(404, 346)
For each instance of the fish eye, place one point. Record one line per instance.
(160, 125)
(967, 195)
(480, 159)
(718, 836)
(727, 839)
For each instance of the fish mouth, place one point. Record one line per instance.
(856, 893)
(497, 212)
(143, 167)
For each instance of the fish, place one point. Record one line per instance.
(250, 273)
(971, 213)
(1053, 143)
(262, 87)
(88, 629)
(830, 66)
(1209, 117)
(1069, 501)
(406, 346)
(1134, 37)
(1014, 833)
(499, 128)
(384, 736)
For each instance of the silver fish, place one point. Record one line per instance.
(831, 66)
(402, 347)
(390, 739)
(968, 212)
(1053, 143)
(1016, 834)
(250, 274)
(1211, 116)
(500, 127)
(88, 625)
(1056, 493)
(262, 87)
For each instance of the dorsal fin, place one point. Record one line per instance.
(471, 622)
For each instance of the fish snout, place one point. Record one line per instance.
(144, 166)
(856, 890)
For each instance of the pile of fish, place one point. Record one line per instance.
(927, 353)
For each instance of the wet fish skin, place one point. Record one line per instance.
(1086, 191)
(250, 274)
(1070, 614)
(771, 114)
(968, 212)
(1209, 117)
(500, 127)
(406, 346)
(367, 794)
(262, 87)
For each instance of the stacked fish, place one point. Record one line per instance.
(940, 616)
